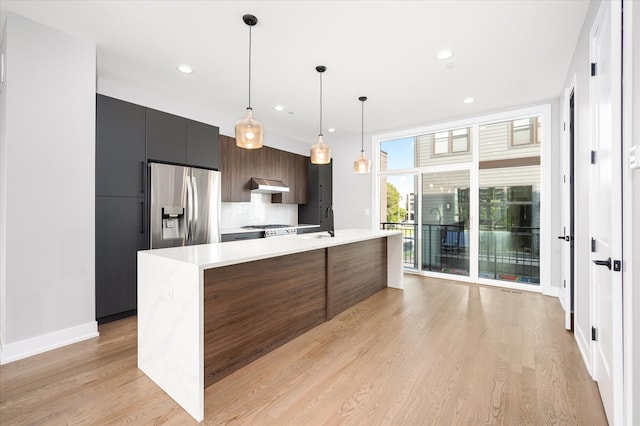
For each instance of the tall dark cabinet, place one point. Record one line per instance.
(120, 204)
(128, 136)
(320, 196)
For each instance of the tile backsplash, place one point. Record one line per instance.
(260, 211)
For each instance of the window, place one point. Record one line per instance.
(397, 154)
(451, 142)
(525, 131)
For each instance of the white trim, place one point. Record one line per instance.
(546, 247)
(584, 345)
(510, 285)
(631, 391)
(46, 342)
(565, 294)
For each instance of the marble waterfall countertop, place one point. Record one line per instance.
(171, 295)
(208, 256)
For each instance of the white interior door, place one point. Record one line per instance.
(606, 205)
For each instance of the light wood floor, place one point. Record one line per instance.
(438, 352)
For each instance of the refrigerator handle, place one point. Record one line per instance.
(194, 213)
(189, 209)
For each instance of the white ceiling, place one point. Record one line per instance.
(507, 53)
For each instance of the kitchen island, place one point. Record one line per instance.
(205, 311)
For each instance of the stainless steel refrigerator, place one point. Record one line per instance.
(185, 206)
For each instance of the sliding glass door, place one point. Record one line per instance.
(445, 222)
(467, 199)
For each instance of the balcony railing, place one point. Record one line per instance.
(512, 255)
(408, 241)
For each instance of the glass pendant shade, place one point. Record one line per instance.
(320, 152)
(249, 132)
(362, 165)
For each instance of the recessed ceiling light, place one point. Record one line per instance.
(444, 54)
(468, 100)
(279, 108)
(185, 69)
(331, 130)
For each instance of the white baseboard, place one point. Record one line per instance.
(561, 299)
(25, 348)
(551, 291)
(584, 347)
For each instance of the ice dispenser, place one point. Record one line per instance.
(172, 222)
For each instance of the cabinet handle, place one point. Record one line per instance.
(142, 177)
(321, 193)
(142, 217)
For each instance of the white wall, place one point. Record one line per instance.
(352, 193)
(580, 68)
(47, 190)
(224, 122)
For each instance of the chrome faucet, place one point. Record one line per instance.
(329, 215)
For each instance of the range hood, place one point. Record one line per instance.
(268, 186)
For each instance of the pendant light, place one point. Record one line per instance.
(362, 165)
(320, 151)
(249, 131)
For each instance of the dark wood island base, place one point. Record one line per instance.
(252, 308)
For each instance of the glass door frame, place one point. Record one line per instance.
(546, 249)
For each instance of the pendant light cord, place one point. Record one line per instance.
(320, 134)
(362, 145)
(249, 66)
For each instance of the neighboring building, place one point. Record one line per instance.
(410, 207)
(383, 188)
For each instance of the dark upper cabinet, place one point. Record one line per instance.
(320, 195)
(120, 148)
(178, 140)
(203, 147)
(120, 234)
(166, 137)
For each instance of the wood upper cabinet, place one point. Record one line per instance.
(239, 165)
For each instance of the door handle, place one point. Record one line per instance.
(606, 263)
(564, 237)
(142, 177)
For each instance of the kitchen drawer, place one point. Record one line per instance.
(241, 236)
